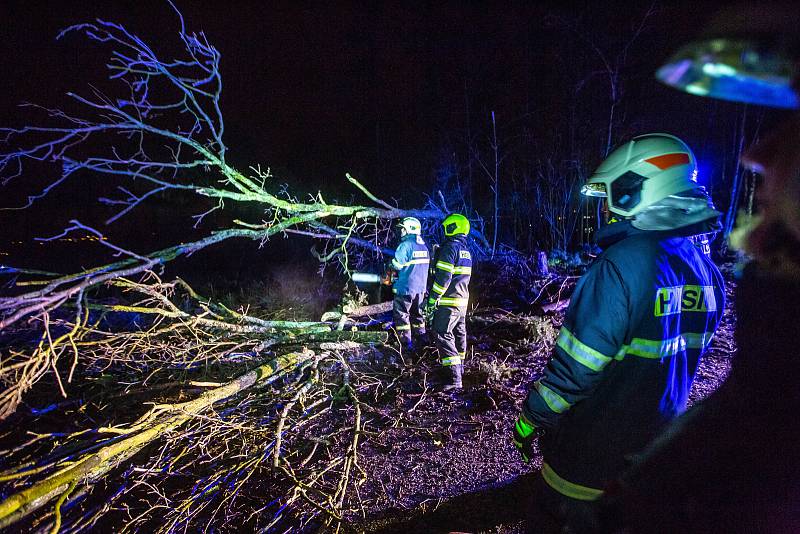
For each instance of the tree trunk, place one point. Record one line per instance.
(92, 467)
(542, 268)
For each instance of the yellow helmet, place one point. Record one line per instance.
(455, 224)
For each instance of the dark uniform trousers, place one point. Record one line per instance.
(449, 324)
(407, 312)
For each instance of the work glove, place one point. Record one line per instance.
(430, 309)
(389, 274)
(523, 435)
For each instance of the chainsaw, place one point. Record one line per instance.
(385, 279)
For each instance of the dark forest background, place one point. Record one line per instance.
(466, 98)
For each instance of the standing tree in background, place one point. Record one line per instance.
(558, 200)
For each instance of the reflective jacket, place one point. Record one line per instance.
(731, 464)
(411, 261)
(624, 361)
(453, 269)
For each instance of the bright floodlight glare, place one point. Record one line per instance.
(366, 278)
(594, 190)
(736, 70)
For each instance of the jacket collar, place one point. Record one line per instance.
(414, 238)
(614, 233)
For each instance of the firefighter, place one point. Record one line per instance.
(411, 261)
(637, 324)
(448, 299)
(732, 464)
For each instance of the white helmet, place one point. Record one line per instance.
(642, 172)
(410, 225)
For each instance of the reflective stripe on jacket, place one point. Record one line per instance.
(624, 361)
(453, 269)
(411, 261)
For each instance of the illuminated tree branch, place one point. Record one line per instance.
(163, 132)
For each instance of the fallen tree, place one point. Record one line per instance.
(172, 350)
(87, 468)
(295, 422)
(140, 139)
(297, 418)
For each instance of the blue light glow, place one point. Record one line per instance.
(704, 173)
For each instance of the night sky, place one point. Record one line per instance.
(380, 90)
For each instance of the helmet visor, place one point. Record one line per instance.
(626, 192)
(733, 69)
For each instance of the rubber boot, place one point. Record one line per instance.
(421, 339)
(452, 378)
(406, 342)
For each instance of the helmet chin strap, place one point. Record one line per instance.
(609, 217)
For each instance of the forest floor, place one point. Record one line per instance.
(450, 465)
(426, 462)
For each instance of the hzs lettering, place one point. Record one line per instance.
(677, 299)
